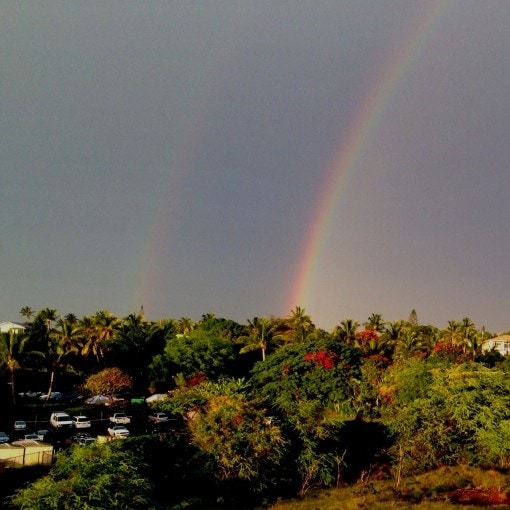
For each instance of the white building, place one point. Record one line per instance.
(499, 343)
(19, 327)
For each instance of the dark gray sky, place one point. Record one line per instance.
(173, 154)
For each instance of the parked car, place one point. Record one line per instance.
(42, 434)
(4, 438)
(71, 398)
(156, 397)
(158, 417)
(81, 422)
(137, 400)
(54, 395)
(120, 419)
(86, 440)
(79, 436)
(97, 400)
(34, 437)
(61, 420)
(20, 425)
(115, 401)
(30, 394)
(118, 431)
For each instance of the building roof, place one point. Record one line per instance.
(7, 325)
(499, 338)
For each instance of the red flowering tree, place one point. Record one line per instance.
(368, 341)
(324, 359)
(448, 351)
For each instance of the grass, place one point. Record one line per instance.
(459, 488)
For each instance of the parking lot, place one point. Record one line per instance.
(36, 417)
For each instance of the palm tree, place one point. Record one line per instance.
(375, 322)
(48, 315)
(27, 312)
(11, 348)
(451, 331)
(468, 334)
(71, 318)
(62, 342)
(106, 325)
(346, 331)
(300, 324)
(390, 335)
(392, 330)
(408, 344)
(89, 341)
(185, 325)
(132, 321)
(262, 333)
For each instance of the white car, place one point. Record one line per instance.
(97, 400)
(156, 397)
(118, 431)
(54, 395)
(81, 422)
(20, 425)
(61, 420)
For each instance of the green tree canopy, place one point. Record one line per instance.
(200, 352)
(96, 477)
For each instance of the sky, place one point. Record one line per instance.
(243, 158)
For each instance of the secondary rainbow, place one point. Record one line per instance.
(351, 151)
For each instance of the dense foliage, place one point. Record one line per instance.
(268, 409)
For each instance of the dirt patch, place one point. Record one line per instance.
(480, 497)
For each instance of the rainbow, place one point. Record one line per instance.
(347, 158)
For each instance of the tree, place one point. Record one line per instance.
(375, 322)
(11, 349)
(48, 315)
(200, 352)
(134, 346)
(96, 477)
(185, 325)
(105, 324)
(413, 318)
(89, 342)
(71, 319)
(447, 414)
(311, 386)
(319, 370)
(451, 331)
(346, 331)
(232, 430)
(300, 324)
(108, 382)
(408, 344)
(27, 312)
(61, 343)
(262, 334)
(96, 332)
(368, 341)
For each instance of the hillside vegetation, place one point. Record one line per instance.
(372, 415)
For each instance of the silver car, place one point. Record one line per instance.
(20, 425)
